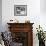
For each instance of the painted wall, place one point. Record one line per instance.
(0, 15)
(43, 14)
(33, 11)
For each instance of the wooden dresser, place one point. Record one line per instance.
(22, 33)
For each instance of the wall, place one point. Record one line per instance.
(43, 6)
(0, 15)
(43, 13)
(33, 10)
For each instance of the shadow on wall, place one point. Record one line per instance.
(0, 15)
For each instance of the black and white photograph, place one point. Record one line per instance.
(20, 10)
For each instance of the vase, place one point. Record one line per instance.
(41, 43)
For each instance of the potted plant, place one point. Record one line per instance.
(41, 36)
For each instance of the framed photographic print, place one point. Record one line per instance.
(20, 10)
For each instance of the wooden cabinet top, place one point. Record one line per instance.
(20, 23)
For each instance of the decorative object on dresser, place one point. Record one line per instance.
(13, 21)
(22, 33)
